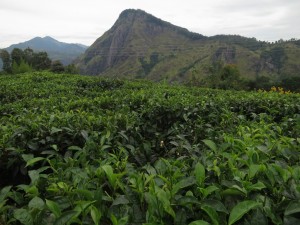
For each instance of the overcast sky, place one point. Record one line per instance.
(83, 21)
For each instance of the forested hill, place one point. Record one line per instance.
(140, 45)
(56, 50)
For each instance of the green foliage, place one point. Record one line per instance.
(57, 67)
(41, 61)
(249, 43)
(230, 77)
(23, 67)
(71, 69)
(88, 150)
(266, 83)
(290, 83)
(140, 45)
(4, 55)
(24, 61)
(29, 55)
(263, 82)
(17, 55)
(240, 210)
(224, 76)
(148, 66)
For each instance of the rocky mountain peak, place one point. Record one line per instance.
(140, 45)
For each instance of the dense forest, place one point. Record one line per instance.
(21, 61)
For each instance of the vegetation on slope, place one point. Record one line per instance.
(64, 52)
(129, 48)
(19, 61)
(86, 150)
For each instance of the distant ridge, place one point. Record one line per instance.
(139, 45)
(56, 50)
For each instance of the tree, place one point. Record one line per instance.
(40, 61)
(4, 55)
(224, 76)
(264, 82)
(17, 55)
(71, 69)
(214, 73)
(20, 61)
(291, 83)
(23, 67)
(28, 56)
(230, 77)
(57, 67)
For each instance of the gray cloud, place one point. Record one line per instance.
(84, 21)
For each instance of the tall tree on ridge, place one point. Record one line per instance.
(4, 55)
(17, 55)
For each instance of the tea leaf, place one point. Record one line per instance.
(210, 144)
(34, 175)
(212, 214)
(23, 216)
(215, 204)
(36, 203)
(186, 182)
(110, 174)
(53, 207)
(66, 217)
(85, 134)
(200, 173)
(199, 222)
(27, 157)
(4, 192)
(55, 130)
(240, 210)
(120, 200)
(96, 215)
(33, 161)
(162, 196)
(292, 208)
(253, 169)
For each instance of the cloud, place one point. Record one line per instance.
(77, 20)
(264, 19)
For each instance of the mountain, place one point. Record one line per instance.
(140, 45)
(56, 50)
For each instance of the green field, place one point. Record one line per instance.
(87, 150)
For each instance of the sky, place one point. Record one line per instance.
(83, 21)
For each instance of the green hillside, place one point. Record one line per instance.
(64, 52)
(88, 150)
(140, 45)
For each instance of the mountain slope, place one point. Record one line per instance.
(135, 36)
(140, 45)
(56, 50)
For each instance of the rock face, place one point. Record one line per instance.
(140, 45)
(134, 36)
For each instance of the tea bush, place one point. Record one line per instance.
(89, 150)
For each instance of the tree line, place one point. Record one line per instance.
(228, 77)
(21, 61)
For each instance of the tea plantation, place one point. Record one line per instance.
(88, 150)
